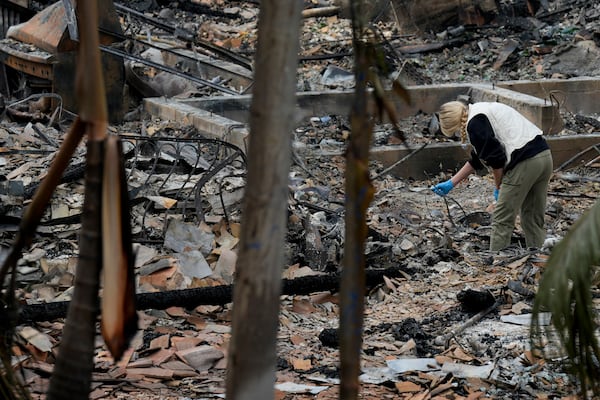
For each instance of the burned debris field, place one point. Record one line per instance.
(445, 318)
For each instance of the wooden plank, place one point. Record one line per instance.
(40, 70)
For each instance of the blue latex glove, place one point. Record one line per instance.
(443, 188)
(496, 193)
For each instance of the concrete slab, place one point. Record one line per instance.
(209, 123)
(544, 114)
(576, 95)
(425, 99)
(226, 117)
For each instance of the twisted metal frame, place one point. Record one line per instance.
(195, 162)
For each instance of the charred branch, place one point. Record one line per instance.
(430, 47)
(215, 295)
(320, 12)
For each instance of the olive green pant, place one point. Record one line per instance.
(523, 191)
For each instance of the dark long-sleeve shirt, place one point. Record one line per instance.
(488, 149)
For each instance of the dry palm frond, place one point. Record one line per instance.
(119, 318)
(369, 67)
(380, 69)
(11, 388)
(565, 292)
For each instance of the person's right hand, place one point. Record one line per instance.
(443, 188)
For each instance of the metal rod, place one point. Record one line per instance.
(125, 55)
(170, 51)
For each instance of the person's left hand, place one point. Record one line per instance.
(496, 193)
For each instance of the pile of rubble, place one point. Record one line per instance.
(444, 316)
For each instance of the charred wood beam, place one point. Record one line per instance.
(430, 47)
(576, 195)
(204, 10)
(215, 295)
(319, 57)
(26, 151)
(320, 12)
(445, 338)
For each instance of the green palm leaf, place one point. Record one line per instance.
(565, 292)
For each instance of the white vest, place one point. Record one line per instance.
(511, 128)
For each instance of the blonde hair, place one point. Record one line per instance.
(453, 118)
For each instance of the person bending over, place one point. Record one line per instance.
(519, 158)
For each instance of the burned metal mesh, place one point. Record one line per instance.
(190, 179)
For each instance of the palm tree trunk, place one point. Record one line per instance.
(73, 370)
(252, 352)
(359, 193)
